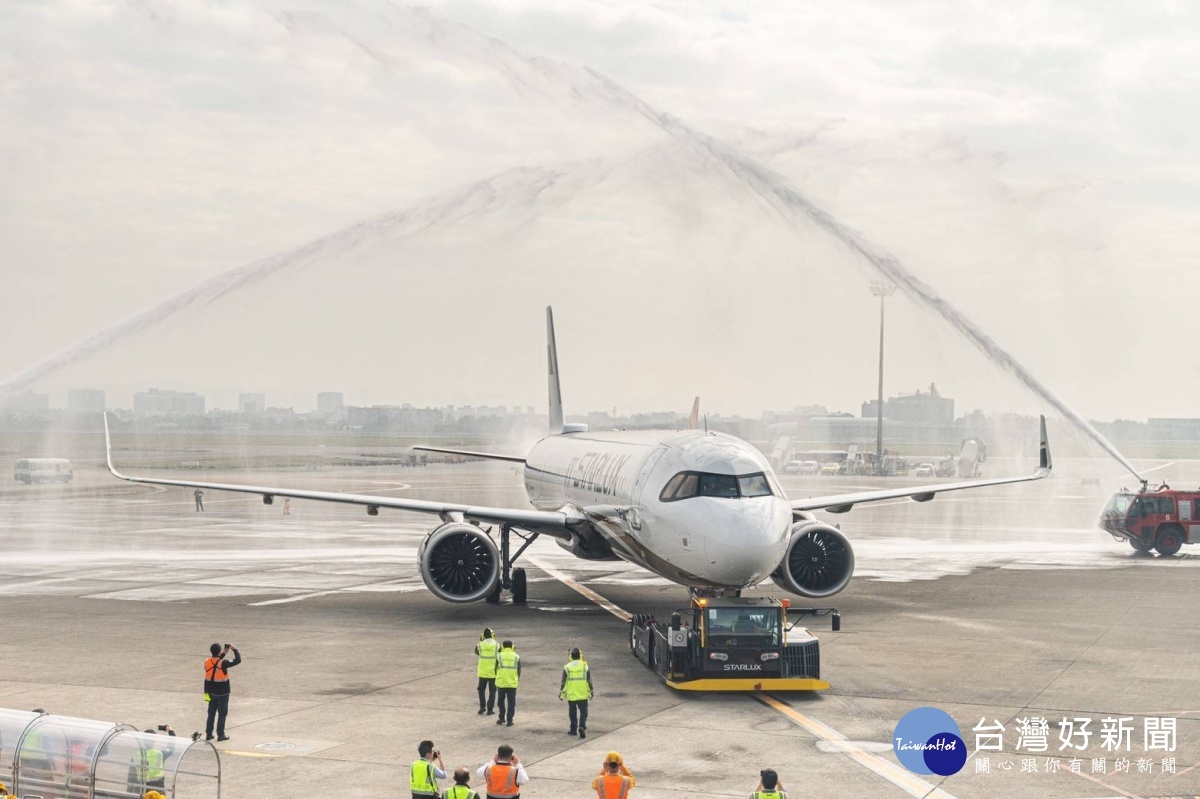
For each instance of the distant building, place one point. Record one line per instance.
(331, 402)
(85, 400)
(918, 408)
(28, 402)
(252, 403)
(167, 403)
(1158, 429)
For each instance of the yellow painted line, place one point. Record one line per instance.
(611, 607)
(896, 774)
(893, 773)
(247, 754)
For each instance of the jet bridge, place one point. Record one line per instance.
(59, 757)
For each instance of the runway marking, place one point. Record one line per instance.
(611, 607)
(1102, 783)
(247, 754)
(894, 774)
(897, 775)
(313, 594)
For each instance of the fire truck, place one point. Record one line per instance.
(1162, 519)
(732, 644)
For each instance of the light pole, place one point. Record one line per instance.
(882, 291)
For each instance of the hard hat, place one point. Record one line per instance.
(153, 795)
(612, 757)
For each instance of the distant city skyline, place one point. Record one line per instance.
(920, 405)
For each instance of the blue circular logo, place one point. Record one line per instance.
(928, 741)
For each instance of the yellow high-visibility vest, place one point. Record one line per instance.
(506, 669)
(576, 687)
(421, 779)
(487, 658)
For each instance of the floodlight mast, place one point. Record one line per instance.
(882, 291)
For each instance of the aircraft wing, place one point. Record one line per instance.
(840, 503)
(468, 453)
(557, 524)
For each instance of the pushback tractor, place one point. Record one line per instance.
(732, 644)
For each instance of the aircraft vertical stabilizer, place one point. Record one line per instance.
(556, 409)
(694, 419)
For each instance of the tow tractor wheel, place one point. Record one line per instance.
(1139, 545)
(519, 587)
(1170, 539)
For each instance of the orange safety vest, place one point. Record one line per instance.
(502, 780)
(214, 672)
(613, 786)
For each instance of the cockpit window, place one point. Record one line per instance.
(703, 484)
(754, 485)
(718, 485)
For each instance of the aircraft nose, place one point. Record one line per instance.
(746, 538)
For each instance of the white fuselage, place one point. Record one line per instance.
(701, 541)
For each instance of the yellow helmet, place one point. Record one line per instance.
(613, 757)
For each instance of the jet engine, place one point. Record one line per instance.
(459, 562)
(818, 562)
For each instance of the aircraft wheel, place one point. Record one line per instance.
(637, 621)
(1170, 539)
(494, 597)
(520, 588)
(1139, 545)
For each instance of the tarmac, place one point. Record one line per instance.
(995, 605)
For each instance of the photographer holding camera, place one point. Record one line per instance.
(216, 688)
(768, 786)
(615, 780)
(147, 766)
(423, 775)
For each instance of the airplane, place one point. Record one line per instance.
(701, 509)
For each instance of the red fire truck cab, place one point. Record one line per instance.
(1162, 519)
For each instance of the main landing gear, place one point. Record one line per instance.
(511, 579)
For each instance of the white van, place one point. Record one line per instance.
(42, 470)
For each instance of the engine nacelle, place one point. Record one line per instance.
(459, 562)
(818, 563)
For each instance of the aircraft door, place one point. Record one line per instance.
(640, 484)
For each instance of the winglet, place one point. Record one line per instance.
(108, 450)
(1045, 464)
(556, 408)
(694, 419)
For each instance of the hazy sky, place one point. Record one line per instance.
(1034, 163)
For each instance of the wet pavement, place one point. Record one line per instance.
(998, 605)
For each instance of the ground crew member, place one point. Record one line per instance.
(768, 786)
(460, 789)
(615, 780)
(576, 688)
(486, 650)
(508, 674)
(199, 495)
(147, 767)
(504, 774)
(216, 688)
(423, 775)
